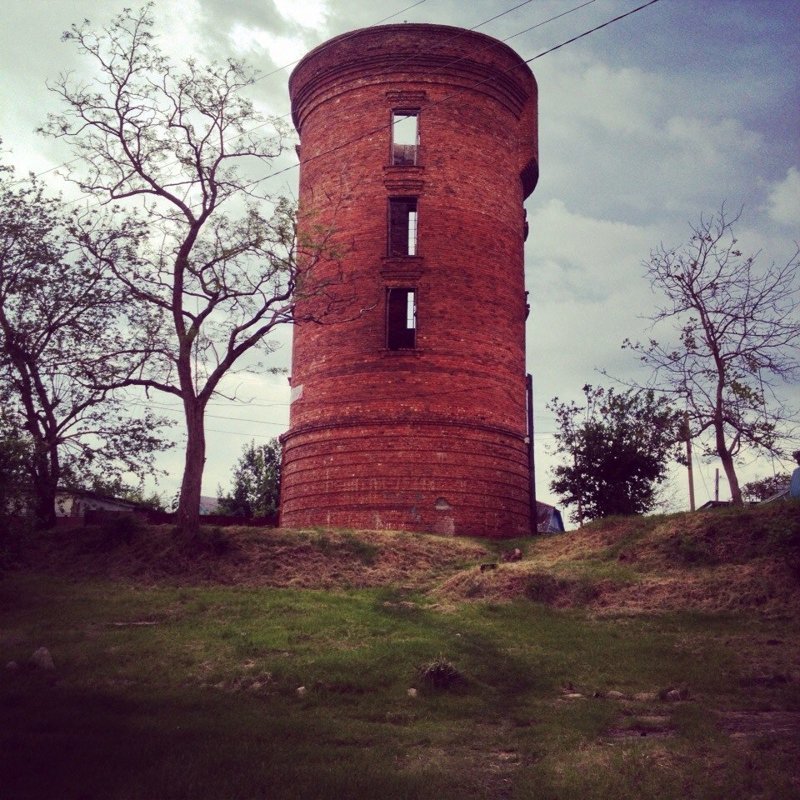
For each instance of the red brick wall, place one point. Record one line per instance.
(430, 438)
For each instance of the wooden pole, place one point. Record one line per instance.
(689, 461)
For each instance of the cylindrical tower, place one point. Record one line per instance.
(418, 146)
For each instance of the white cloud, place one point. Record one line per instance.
(590, 255)
(711, 143)
(784, 199)
(625, 102)
(283, 50)
(180, 23)
(628, 143)
(308, 14)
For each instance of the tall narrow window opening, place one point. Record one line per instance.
(401, 319)
(405, 138)
(403, 226)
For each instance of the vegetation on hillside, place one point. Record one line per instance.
(617, 448)
(321, 664)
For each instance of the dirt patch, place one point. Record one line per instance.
(761, 723)
(481, 765)
(655, 726)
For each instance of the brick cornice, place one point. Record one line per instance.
(417, 420)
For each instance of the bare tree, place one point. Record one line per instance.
(62, 330)
(222, 265)
(735, 337)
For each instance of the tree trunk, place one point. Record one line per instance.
(44, 504)
(724, 453)
(730, 474)
(189, 503)
(45, 484)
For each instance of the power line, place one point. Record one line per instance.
(433, 104)
(347, 36)
(178, 409)
(396, 65)
(586, 33)
(297, 61)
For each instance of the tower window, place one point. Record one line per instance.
(401, 319)
(405, 138)
(403, 226)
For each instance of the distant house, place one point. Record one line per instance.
(715, 504)
(712, 504)
(783, 494)
(75, 503)
(208, 505)
(548, 519)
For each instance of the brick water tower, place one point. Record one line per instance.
(418, 146)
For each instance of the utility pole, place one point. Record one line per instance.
(716, 484)
(689, 459)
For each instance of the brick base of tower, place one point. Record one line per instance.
(448, 478)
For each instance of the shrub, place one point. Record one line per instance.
(212, 540)
(690, 549)
(440, 674)
(110, 530)
(541, 587)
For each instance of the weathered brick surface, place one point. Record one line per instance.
(431, 438)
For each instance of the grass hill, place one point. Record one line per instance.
(649, 657)
(717, 561)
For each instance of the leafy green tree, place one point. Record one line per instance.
(733, 336)
(14, 458)
(618, 446)
(62, 331)
(187, 152)
(256, 482)
(763, 488)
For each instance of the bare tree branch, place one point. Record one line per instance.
(219, 265)
(736, 334)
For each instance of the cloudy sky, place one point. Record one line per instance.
(643, 125)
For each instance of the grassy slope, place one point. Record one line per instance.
(724, 560)
(177, 670)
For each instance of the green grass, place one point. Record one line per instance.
(191, 693)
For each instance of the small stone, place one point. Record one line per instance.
(12, 665)
(300, 691)
(614, 695)
(645, 697)
(513, 555)
(42, 659)
(573, 695)
(412, 692)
